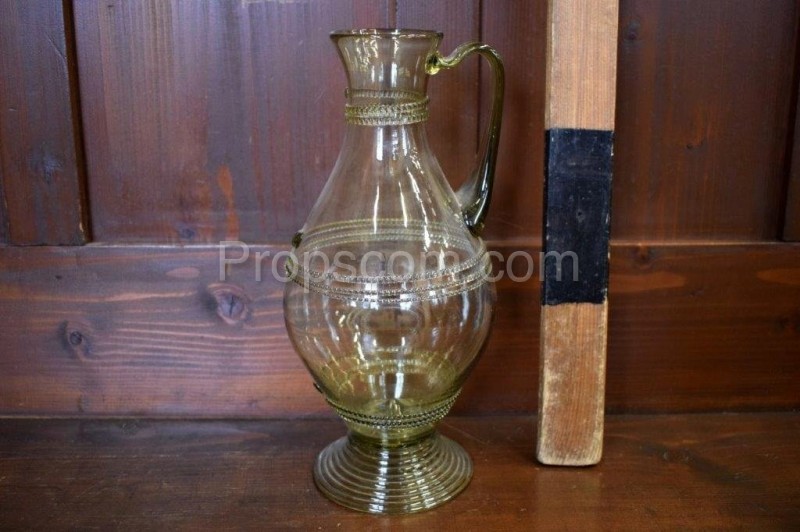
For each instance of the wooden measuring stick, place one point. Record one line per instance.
(579, 118)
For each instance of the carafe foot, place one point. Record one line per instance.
(368, 476)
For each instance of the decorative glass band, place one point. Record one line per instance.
(370, 108)
(397, 291)
(419, 419)
(471, 269)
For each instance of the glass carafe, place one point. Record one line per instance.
(389, 303)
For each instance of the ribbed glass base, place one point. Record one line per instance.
(369, 477)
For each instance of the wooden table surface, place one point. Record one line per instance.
(666, 472)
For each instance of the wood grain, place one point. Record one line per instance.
(572, 383)
(705, 327)
(453, 124)
(791, 220)
(209, 120)
(721, 472)
(581, 64)
(518, 33)
(40, 178)
(703, 112)
(137, 330)
(151, 330)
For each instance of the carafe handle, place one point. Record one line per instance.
(476, 193)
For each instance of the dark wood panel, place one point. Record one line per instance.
(704, 327)
(708, 472)
(148, 330)
(704, 92)
(207, 120)
(516, 29)
(39, 170)
(453, 123)
(136, 330)
(791, 222)
(144, 330)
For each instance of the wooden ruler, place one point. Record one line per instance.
(579, 118)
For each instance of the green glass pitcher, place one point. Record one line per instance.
(390, 303)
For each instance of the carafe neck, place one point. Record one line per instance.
(386, 62)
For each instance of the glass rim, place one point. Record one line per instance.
(387, 32)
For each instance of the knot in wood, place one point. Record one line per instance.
(632, 31)
(232, 303)
(76, 338)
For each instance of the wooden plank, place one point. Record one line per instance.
(145, 330)
(518, 32)
(581, 64)
(40, 175)
(723, 471)
(704, 327)
(578, 333)
(453, 124)
(579, 117)
(705, 92)
(209, 120)
(151, 330)
(791, 220)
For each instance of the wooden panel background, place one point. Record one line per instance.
(41, 192)
(516, 28)
(210, 120)
(703, 105)
(222, 151)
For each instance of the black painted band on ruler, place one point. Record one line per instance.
(578, 169)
